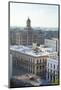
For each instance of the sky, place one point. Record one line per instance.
(40, 15)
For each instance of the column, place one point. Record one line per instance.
(32, 68)
(35, 70)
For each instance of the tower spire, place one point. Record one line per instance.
(28, 22)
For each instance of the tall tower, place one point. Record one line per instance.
(29, 32)
(28, 23)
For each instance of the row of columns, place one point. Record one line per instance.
(32, 69)
(30, 64)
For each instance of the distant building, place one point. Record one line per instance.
(53, 43)
(12, 37)
(26, 35)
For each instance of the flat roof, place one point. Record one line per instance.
(28, 50)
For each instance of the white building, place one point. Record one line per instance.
(52, 67)
(53, 43)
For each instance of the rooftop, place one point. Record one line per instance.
(29, 50)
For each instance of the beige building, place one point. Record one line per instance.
(26, 35)
(34, 61)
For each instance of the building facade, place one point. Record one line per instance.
(30, 60)
(53, 43)
(52, 68)
(26, 35)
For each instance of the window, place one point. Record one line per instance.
(51, 65)
(48, 75)
(37, 67)
(54, 66)
(54, 73)
(48, 70)
(33, 60)
(40, 60)
(51, 71)
(51, 77)
(40, 67)
(54, 78)
(43, 60)
(37, 61)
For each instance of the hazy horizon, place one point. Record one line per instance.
(40, 15)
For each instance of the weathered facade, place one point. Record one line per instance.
(33, 63)
(26, 36)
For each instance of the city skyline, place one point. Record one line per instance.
(40, 15)
(33, 45)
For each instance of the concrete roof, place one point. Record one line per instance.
(29, 51)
